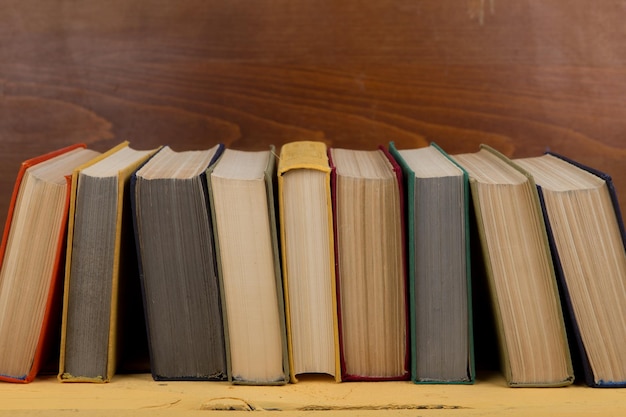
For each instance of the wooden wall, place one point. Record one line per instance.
(519, 75)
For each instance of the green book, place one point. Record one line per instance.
(437, 200)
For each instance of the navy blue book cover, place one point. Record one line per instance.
(579, 354)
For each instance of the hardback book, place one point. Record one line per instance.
(32, 258)
(242, 196)
(368, 209)
(586, 232)
(527, 309)
(101, 269)
(308, 259)
(177, 264)
(437, 215)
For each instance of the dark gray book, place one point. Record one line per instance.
(101, 272)
(178, 266)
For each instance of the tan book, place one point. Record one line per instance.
(371, 272)
(32, 261)
(242, 203)
(586, 233)
(524, 294)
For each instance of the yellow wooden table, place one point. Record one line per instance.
(140, 395)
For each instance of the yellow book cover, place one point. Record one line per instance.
(306, 227)
(124, 161)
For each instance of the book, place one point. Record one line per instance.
(586, 232)
(101, 268)
(529, 321)
(308, 259)
(177, 264)
(242, 196)
(437, 215)
(32, 261)
(370, 261)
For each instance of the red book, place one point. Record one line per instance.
(368, 208)
(32, 261)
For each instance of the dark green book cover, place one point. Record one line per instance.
(426, 336)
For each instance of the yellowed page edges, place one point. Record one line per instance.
(306, 155)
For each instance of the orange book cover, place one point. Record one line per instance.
(50, 322)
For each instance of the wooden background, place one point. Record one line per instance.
(519, 75)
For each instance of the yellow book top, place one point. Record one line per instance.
(303, 154)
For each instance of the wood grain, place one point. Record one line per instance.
(521, 76)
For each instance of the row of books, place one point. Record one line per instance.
(225, 264)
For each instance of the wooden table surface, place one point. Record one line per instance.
(521, 76)
(138, 395)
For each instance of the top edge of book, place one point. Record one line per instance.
(365, 164)
(170, 164)
(488, 166)
(242, 165)
(303, 155)
(116, 160)
(555, 174)
(429, 162)
(55, 170)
